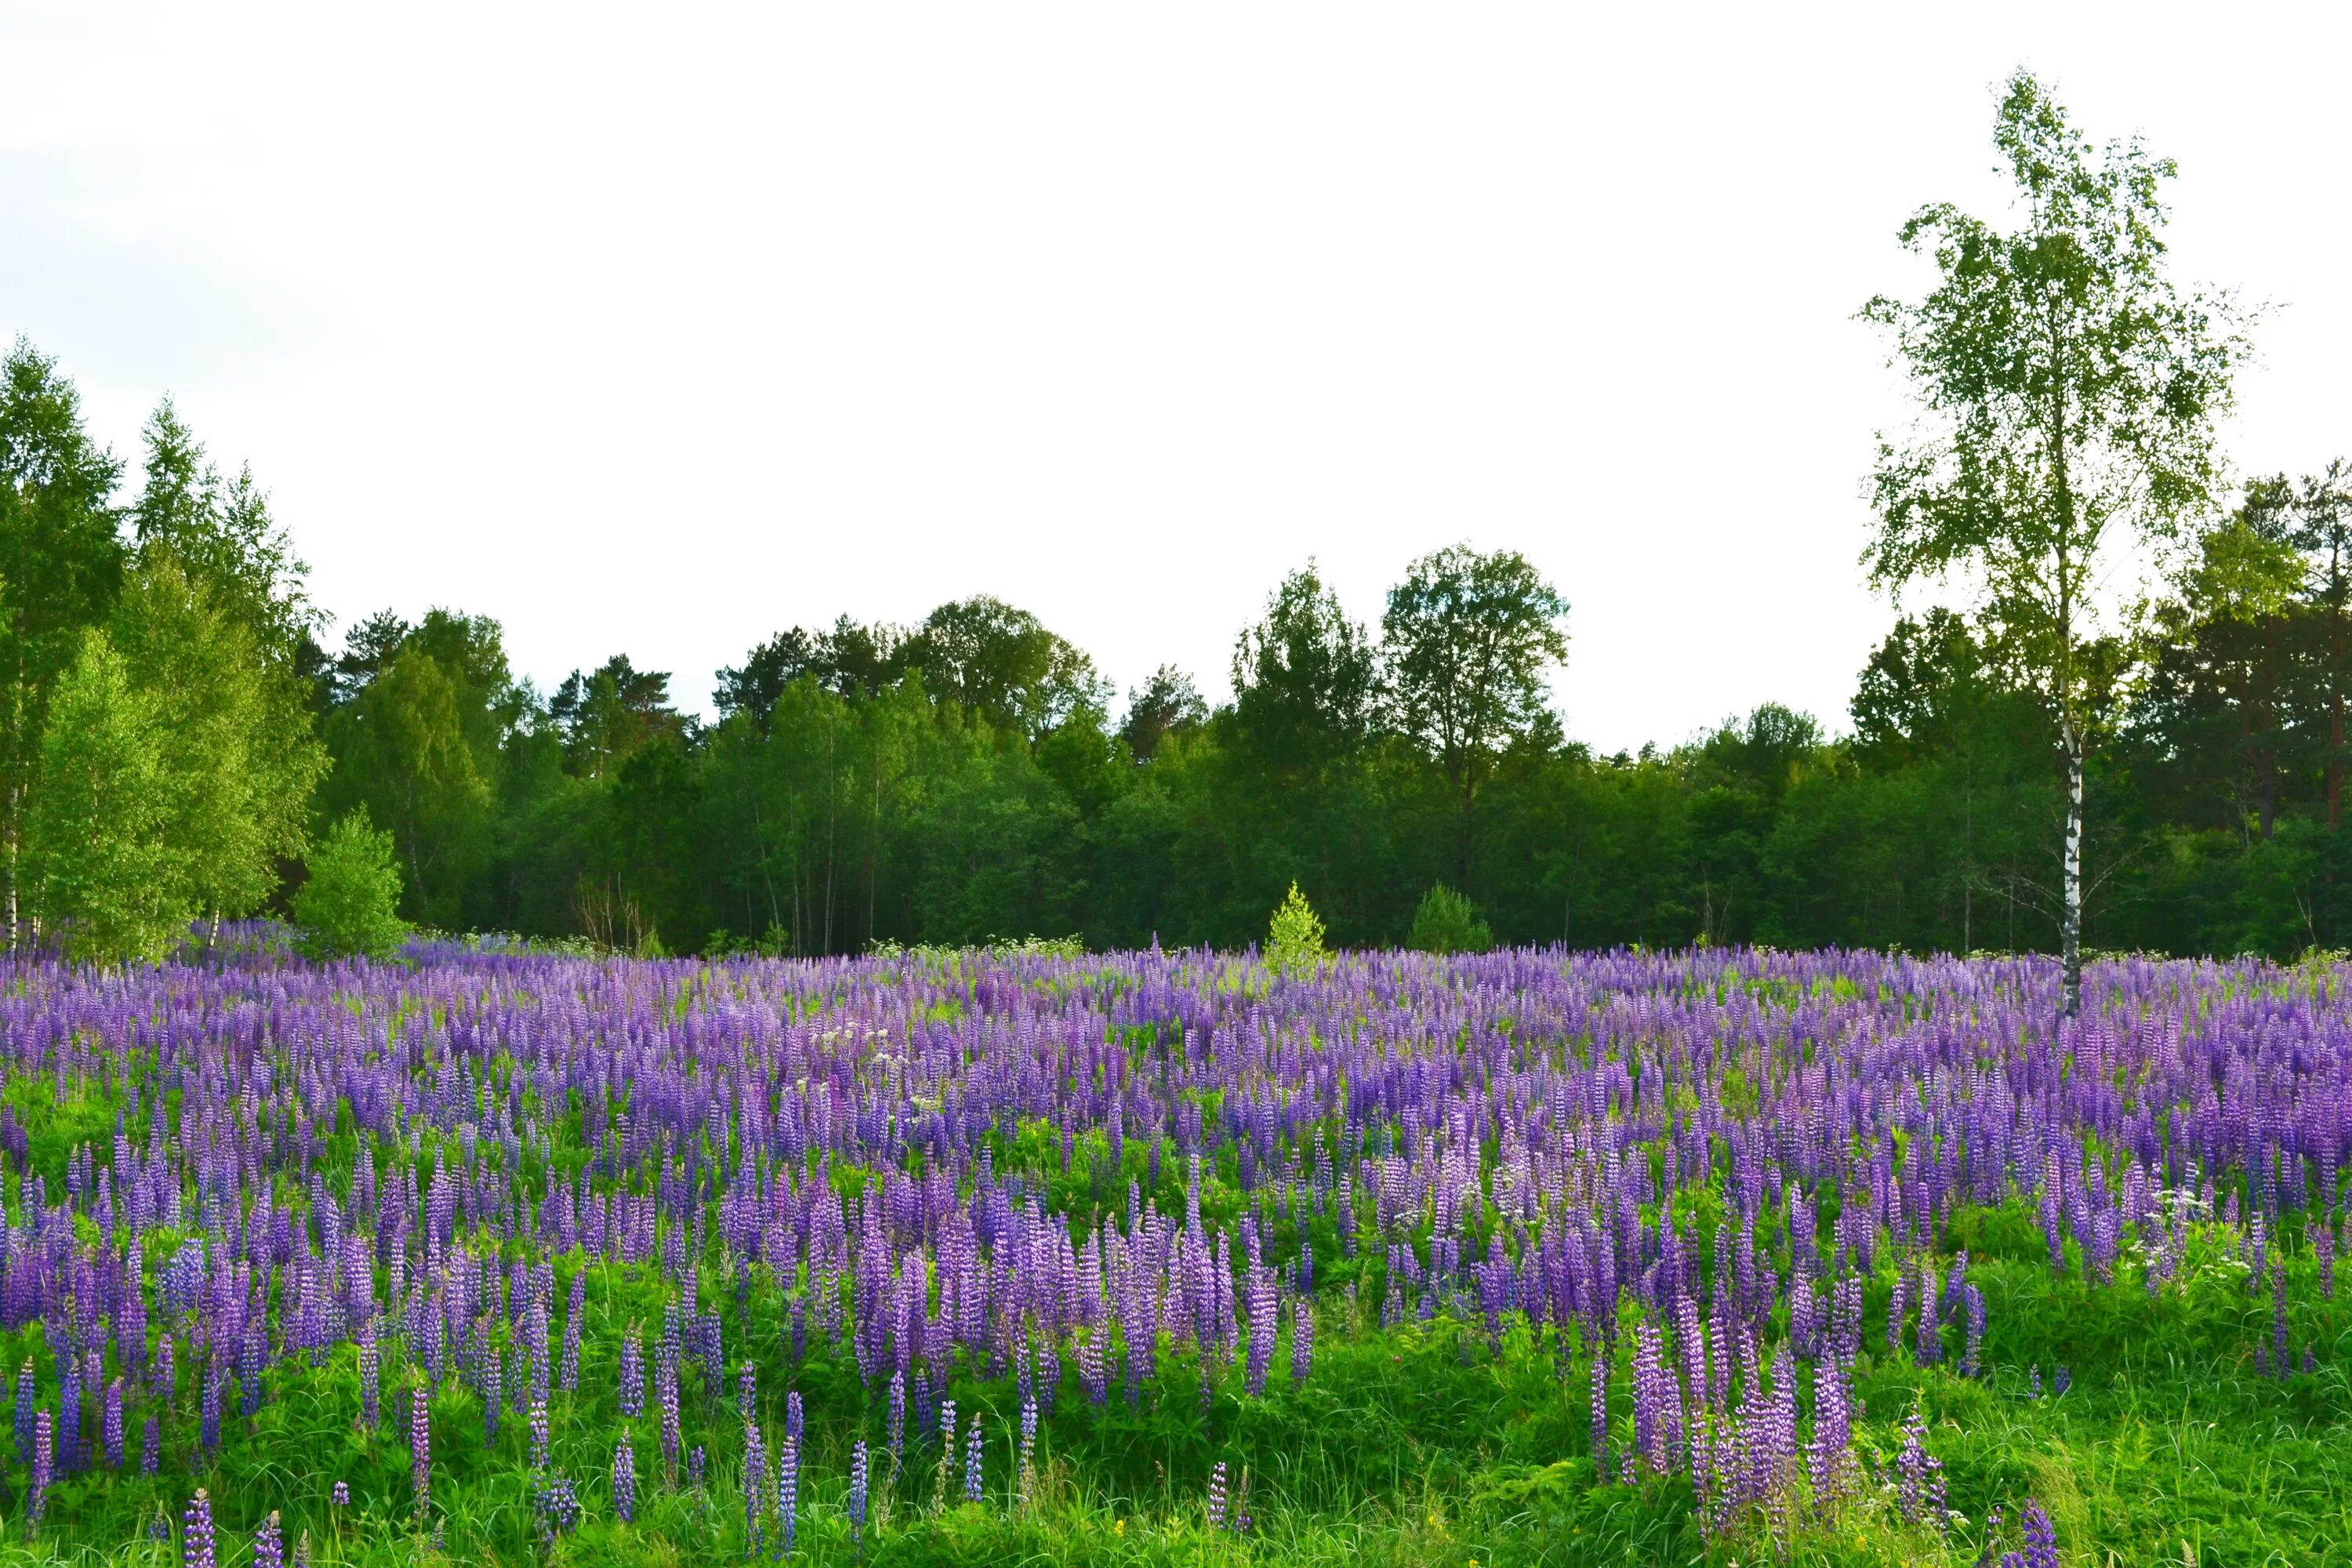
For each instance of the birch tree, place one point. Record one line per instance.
(2067, 394)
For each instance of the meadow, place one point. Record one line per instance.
(512, 1256)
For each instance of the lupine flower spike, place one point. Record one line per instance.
(624, 1481)
(196, 1533)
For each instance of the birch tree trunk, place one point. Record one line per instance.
(2070, 929)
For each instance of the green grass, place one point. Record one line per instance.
(1418, 1446)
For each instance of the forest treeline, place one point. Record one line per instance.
(178, 724)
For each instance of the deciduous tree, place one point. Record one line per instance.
(2068, 394)
(62, 560)
(1468, 639)
(103, 877)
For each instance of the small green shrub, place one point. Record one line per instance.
(722, 943)
(1294, 942)
(1445, 923)
(350, 904)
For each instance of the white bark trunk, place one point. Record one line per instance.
(2070, 931)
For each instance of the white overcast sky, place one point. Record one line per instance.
(657, 328)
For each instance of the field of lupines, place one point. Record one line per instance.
(1538, 1256)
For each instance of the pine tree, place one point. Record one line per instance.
(1294, 942)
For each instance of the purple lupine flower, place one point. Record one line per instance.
(633, 1373)
(420, 1449)
(1600, 1415)
(538, 1435)
(25, 1408)
(755, 1477)
(1302, 1337)
(1971, 1353)
(151, 1444)
(574, 1313)
(557, 1507)
(1028, 1471)
(1831, 1459)
(972, 1463)
(788, 1492)
(212, 1410)
(1261, 1304)
(857, 1482)
(1928, 1346)
(896, 1426)
(947, 1447)
(44, 1469)
(1217, 1496)
(624, 1481)
(111, 1425)
(196, 1533)
(370, 1396)
(1919, 1474)
(666, 1374)
(342, 1494)
(270, 1544)
(1651, 1436)
(2041, 1538)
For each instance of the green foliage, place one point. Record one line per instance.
(60, 562)
(417, 749)
(1306, 684)
(239, 758)
(775, 942)
(1467, 640)
(101, 877)
(1445, 923)
(1294, 941)
(2072, 310)
(350, 904)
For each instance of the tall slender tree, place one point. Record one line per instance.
(2068, 394)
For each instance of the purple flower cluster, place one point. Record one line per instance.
(44, 1469)
(420, 1450)
(624, 1481)
(1497, 1141)
(270, 1544)
(196, 1531)
(788, 1492)
(2041, 1540)
(558, 1506)
(857, 1488)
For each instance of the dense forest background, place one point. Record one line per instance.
(176, 714)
